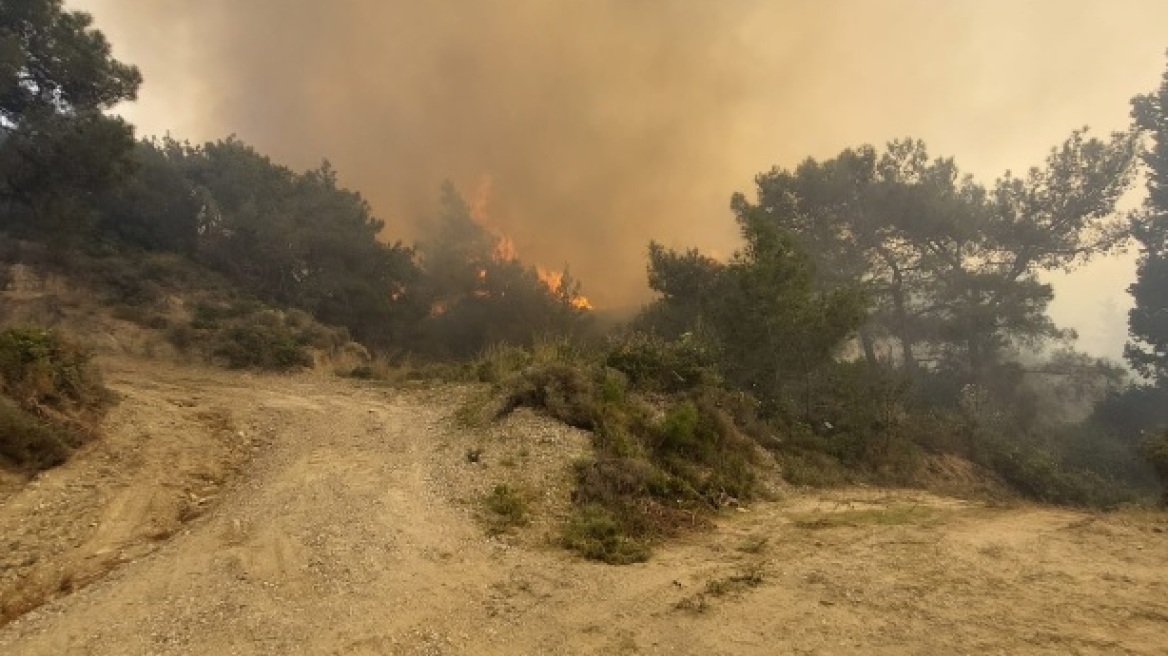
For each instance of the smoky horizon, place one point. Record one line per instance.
(584, 129)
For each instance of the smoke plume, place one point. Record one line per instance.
(602, 124)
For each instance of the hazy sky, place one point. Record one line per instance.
(602, 124)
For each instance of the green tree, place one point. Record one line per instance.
(1147, 351)
(53, 61)
(54, 169)
(345, 275)
(951, 267)
(298, 239)
(57, 149)
(689, 287)
(774, 325)
(772, 328)
(157, 208)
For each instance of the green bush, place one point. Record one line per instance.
(614, 480)
(565, 391)
(248, 334)
(501, 361)
(1156, 452)
(595, 533)
(32, 443)
(1040, 475)
(653, 364)
(679, 432)
(261, 344)
(40, 368)
(662, 461)
(508, 507)
(702, 443)
(122, 281)
(50, 397)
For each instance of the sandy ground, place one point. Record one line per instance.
(241, 514)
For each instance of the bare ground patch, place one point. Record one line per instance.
(348, 519)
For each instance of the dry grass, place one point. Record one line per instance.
(508, 508)
(897, 515)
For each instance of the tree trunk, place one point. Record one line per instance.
(869, 345)
(976, 358)
(906, 353)
(900, 306)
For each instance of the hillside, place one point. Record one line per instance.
(242, 413)
(253, 514)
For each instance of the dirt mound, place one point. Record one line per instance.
(949, 474)
(36, 297)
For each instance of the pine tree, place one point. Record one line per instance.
(1147, 351)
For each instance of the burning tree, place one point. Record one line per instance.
(480, 293)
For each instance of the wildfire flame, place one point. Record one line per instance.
(504, 248)
(554, 280)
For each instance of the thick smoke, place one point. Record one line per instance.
(602, 124)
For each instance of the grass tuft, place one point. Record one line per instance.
(508, 508)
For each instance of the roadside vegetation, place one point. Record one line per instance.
(51, 398)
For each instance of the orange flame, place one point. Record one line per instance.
(504, 248)
(554, 280)
(480, 200)
(551, 279)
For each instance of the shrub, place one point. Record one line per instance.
(1156, 451)
(813, 468)
(362, 372)
(121, 280)
(508, 507)
(701, 444)
(499, 362)
(653, 364)
(679, 432)
(595, 533)
(564, 391)
(614, 387)
(662, 460)
(614, 480)
(1040, 475)
(182, 337)
(31, 443)
(261, 344)
(41, 369)
(247, 334)
(50, 397)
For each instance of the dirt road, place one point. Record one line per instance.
(239, 514)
